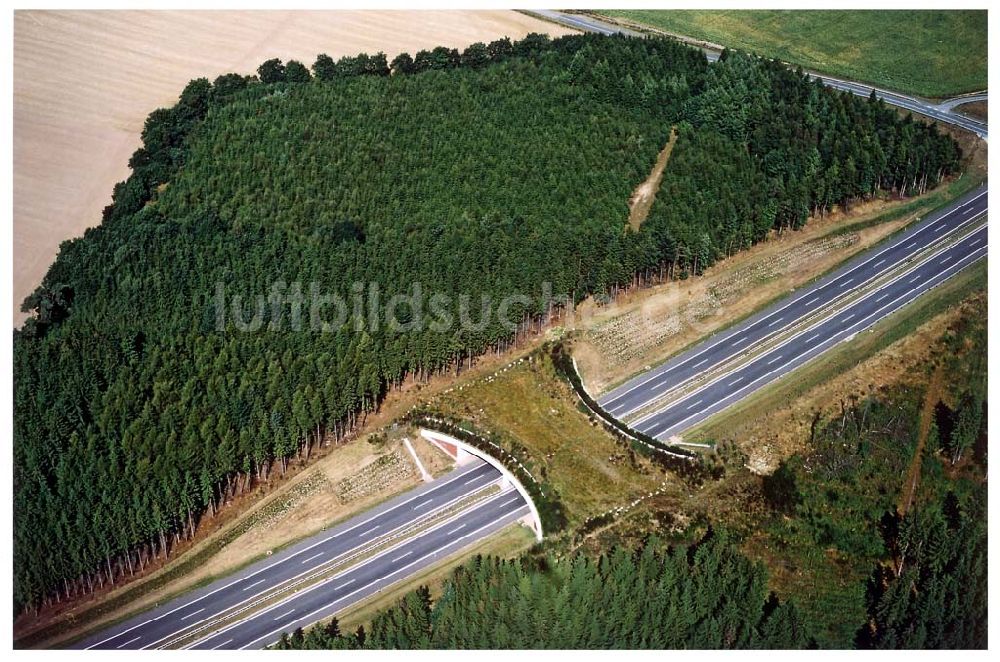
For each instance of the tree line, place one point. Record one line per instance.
(704, 596)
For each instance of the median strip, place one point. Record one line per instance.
(330, 569)
(903, 269)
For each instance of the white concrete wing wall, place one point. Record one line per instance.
(438, 438)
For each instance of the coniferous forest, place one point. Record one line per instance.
(705, 596)
(932, 595)
(139, 404)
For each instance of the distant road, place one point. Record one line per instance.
(942, 112)
(642, 393)
(183, 616)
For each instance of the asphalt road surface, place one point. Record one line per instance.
(942, 112)
(806, 344)
(161, 624)
(644, 390)
(306, 607)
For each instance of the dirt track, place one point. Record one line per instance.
(85, 81)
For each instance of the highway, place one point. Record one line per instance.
(306, 607)
(185, 615)
(777, 361)
(942, 112)
(644, 390)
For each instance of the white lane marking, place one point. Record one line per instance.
(775, 322)
(776, 358)
(739, 341)
(847, 282)
(879, 262)
(347, 583)
(184, 618)
(460, 526)
(848, 318)
(221, 645)
(270, 610)
(945, 259)
(694, 404)
(911, 245)
(973, 243)
(882, 297)
(371, 530)
(421, 505)
(389, 510)
(811, 300)
(916, 277)
(402, 556)
(700, 363)
(812, 337)
(287, 613)
(656, 373)
(395, 572)
(314, 556)
(439, 485)
(129, 642)
(935, 280)
(736, 381)
(469, 482)
(259, 581)
(652, 431)
(118, 634)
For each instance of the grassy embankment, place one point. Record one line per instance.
(928, 53)
(530, 404)
(507, 543)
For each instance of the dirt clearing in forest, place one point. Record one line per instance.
(642, 199)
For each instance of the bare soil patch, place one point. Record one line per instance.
(644, 326)
(642, 198)
(529, 403)
(976, 109)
